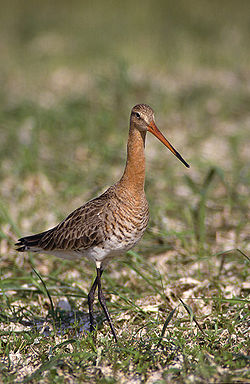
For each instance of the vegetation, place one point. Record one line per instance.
(70, 72)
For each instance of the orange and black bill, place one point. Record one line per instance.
(153, 129)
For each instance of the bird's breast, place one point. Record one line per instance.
(125, 222)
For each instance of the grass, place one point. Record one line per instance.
(70, 74)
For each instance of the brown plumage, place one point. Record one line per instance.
(111, 223)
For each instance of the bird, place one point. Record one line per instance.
(112, 223)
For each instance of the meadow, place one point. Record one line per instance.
(70, 72)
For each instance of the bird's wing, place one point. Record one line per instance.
(83, 228)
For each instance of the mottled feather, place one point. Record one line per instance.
(93, 224)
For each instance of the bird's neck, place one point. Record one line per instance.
(134, 174)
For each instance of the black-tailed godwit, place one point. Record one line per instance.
(113, 222)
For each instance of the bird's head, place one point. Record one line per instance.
(142, 118)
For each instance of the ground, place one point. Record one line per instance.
(70, 74)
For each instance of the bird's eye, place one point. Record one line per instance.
(137, 115)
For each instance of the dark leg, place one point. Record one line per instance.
(91, 297)
(103, 301)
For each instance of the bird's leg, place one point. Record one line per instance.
(91, 297)
(103, 302)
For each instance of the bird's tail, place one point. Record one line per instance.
(30, 243)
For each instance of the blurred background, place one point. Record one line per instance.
(70, 72)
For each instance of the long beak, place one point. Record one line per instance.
(153, 129)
